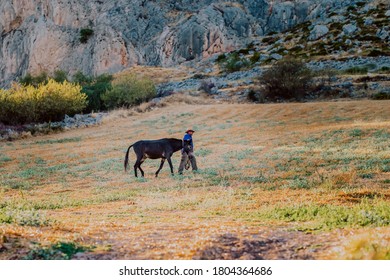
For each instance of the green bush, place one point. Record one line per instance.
(58, 251)
(47, 102)
(234, 62)
(287, 79)
(384, 70)
(30, 80)
(381, 96)
(375, 53)
(221, 58)
(127, 90)
(94, 88)
(255, 57)
(60, 76)
(357, 70)
(85, 34)
(42, 78)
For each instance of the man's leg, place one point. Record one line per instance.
(193, 161)
(184, 158)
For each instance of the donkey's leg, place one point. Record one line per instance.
(161, 166)
(170, 164)
(139, 161)
(142, 172)
(135, 168)
(139, 166)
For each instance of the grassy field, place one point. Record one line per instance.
(276, 181)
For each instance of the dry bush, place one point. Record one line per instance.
(287, 79)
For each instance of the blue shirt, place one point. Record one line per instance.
(188, 137)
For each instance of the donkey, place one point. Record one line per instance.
(154, 149)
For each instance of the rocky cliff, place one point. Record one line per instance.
(108, 36)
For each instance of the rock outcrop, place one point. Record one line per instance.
(44, 35)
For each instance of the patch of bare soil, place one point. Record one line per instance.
(11, 248)
(267, 244)
(273, 245)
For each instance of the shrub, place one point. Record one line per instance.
(255, 57)
(45, 103)
(327, 75)
(30, 80)
(85, 33)
(127, 90)
(287, 79)
(244, 51)
(94, 88)
(221, 58)
(81, 79)
(42, 78)
(58, 251)
(384, 70)
(207, 86)
(255, 96)
(381, 96)
(375, 53)
(357, 70)
(234, 62)
(60, 76)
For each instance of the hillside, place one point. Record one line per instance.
(276, 181)
(97, 37)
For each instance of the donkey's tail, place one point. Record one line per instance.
(127, 157)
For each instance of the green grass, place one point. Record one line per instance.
(4, 159)
(57, 141)
(39, 172)
(254, 179)
(238, 155)
(22, 217)
(14, 184)
(57, 251)
(202, 152)
(14, 210)
(299, 183)
(364, 214)
(383, 165)
(356, 132)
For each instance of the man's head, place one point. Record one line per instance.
(190, 131)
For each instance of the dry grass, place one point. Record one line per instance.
(372, 244)
(159, 74)
(319, 168)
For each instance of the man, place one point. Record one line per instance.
(188, 152)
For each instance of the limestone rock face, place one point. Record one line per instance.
(44, 35)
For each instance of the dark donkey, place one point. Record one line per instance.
(154, 149)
